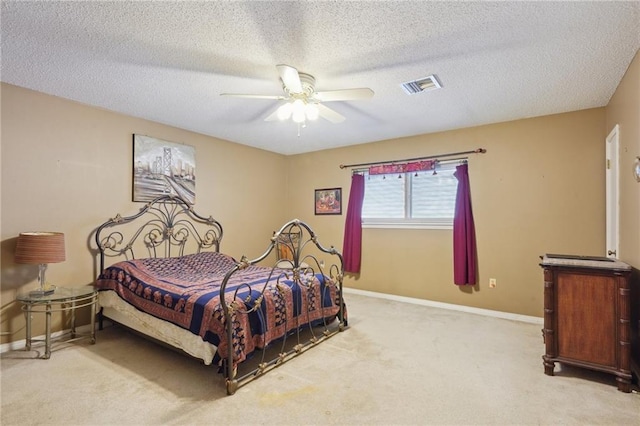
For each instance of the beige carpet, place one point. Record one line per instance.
(397, 364)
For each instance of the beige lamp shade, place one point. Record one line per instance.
(40, 247)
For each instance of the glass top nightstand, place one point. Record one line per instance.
(63, 299)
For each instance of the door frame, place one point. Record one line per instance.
(613, 193)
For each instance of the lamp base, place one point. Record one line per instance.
(45, 288)
(42, 292)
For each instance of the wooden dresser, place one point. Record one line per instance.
(587, 315)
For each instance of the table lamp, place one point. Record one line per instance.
(40, 248)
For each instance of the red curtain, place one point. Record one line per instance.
(464, 234)
(352, 247)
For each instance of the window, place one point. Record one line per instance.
(410, 200)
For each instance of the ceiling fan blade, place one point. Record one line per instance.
(290, 78)
(273, 116)
(344, 95)
(240, 95)
(329, 114)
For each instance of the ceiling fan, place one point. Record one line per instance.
(303, 102)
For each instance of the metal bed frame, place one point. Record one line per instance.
(170, 227)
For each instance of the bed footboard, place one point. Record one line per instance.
(305, 285)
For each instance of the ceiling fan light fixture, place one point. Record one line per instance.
(298, 106)
(298, 117)
(284, 112)
(298, 111)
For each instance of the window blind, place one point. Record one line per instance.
(411, 196)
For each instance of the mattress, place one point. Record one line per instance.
(123, 313)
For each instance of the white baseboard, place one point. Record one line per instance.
(20, 344)
(450, 306)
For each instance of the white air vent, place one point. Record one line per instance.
(421, 85)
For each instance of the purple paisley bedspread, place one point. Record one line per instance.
(186, 292)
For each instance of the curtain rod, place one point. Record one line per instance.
(451, 154)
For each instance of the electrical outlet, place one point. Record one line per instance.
(492, 283)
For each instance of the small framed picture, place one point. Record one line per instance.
(328, 201)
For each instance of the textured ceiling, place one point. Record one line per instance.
(169, 61)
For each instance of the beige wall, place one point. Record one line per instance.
(624, 110)
(538, 189)
(68, 167)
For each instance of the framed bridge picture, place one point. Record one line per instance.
(328, 201)
(163, 168)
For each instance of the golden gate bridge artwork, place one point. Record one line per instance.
(163, 168)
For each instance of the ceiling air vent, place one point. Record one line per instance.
(421, 85)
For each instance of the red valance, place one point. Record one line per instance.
(416, 166)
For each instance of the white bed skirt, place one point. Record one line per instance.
(121, 312)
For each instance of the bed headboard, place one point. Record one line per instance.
(168, 226)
